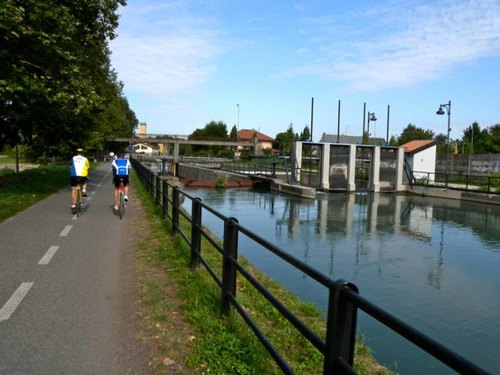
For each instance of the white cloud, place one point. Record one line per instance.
(162, 50)
(163, 65)
(406, 43)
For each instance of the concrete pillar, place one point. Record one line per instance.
(373, 204)
(399, 169)
(324, 177)
(351, 169)
(350, 214)
(176, 152)
(296, 160)
(397, 214)
(375, 172)
(322, 217)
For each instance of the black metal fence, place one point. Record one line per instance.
(465, 182)
(344, 300)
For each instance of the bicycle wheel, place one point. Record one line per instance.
(78, 202)
(121, 204)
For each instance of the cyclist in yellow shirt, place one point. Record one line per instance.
(79, 172)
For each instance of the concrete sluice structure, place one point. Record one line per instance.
(329, 167)
(348, 167)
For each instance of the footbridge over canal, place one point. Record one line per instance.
(171, 143)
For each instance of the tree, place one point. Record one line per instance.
(305, 135)
(492, 142)
(283, 141)
(441, 143)
(56, 84)
(411, 133)
(215, 131)
(480, 141)
(393, 141)
(470, 137)
(212, 131)
(233, 135)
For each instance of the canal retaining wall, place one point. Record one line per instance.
(191, 175)
(455, 194)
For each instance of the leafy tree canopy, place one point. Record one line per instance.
(233, 135)
(283, 141)
(212, 131)
(305, 135)
(411, 133)
(481, 141)
(57, 88)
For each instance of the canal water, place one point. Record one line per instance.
(434, 263)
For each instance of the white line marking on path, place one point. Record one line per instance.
(10, 306)
(65, 231)
(48, 255)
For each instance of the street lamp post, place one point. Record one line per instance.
(371, 117)
(440, 111)
(238, 123)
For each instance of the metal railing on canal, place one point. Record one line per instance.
(489, 184)
(344, 299)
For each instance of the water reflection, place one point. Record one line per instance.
(432, 262)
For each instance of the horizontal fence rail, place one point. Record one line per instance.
(344, 300)
(464, 182)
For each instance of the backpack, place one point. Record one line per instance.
(121, 167)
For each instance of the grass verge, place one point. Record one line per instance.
(213, 345)
(20, 191)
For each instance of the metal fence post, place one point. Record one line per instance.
(175, 210)
(158, 191)
(340, 329)
(164, 200)
(195, 232)
(229, 259)
(273, 173)
(150, 182)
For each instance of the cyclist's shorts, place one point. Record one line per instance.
(76, 180)
(116, 180)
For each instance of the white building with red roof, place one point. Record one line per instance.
(420, 155)
(264, 142)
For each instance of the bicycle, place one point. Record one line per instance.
(79, 200)
(121, 199)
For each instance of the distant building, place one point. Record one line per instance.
(143, 127)
(350, 139)
(420, 155)
(141, 148)
(264, 142)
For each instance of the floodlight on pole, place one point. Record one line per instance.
(440, 111)
(371, 117)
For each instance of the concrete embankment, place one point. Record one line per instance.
(190, 175)
(440, 192)
(296, 190)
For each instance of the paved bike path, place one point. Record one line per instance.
(67, 300)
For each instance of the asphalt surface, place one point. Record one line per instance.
(67, 298)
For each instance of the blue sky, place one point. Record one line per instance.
(185, 63)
